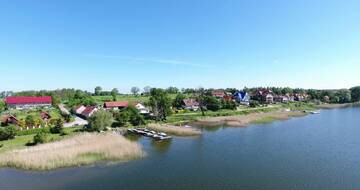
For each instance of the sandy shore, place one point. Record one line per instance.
(83, 149)
(174, 130)
(245, 120)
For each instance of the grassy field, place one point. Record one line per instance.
(22, 114)
(130, 98)
(78, 150)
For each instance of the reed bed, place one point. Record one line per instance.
(83, 149)
(174, 130)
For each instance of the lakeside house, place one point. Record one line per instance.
(191, 104)
(142, 108)
(120, 105)
(242, 97)
(9, 119)
(264, 95)
(79, 109)
(27, 102)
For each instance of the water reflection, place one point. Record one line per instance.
(161, 146)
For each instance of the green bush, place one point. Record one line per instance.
(58, 128)
(100, 121)
(7, 133)
(41, 137)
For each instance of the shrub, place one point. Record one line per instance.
(100, 121)
(254, 103)
(58, 128)
(7, 133)
(41, 137)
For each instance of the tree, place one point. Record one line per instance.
(2, 105)
(172, 90)
(212, 103)
(41, 137)
(30, 121)
(200, 98)
(100, 120)
(135, 90)
(344, 96)
(7, 133)
(160, 103)
(58, 128)
(178, 102)
(98, 90)
(355, 94)
(114, 93)
(55, 100)
(147, 89)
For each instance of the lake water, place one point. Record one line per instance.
(316, 152)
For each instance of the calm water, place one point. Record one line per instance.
(313, 152)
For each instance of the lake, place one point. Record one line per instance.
(315, 152)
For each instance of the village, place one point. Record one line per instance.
(29, 112)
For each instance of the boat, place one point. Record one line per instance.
(162, 134)
(187, 126)
(314, 112)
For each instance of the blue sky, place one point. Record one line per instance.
(184, 43)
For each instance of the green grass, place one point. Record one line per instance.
(130, 98)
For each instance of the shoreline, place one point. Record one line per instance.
(333, 106)
(246, 120)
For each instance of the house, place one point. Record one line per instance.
(265, 96)
(191, 104)
(142, 109)
(45, 116)
(281, 99)
(26, 102)
(300, 97)
(242, 97)
(9, 119)
(218, 93)
(89, 111)
(116, 105)
(79, 109)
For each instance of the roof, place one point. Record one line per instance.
(190, 102)
(88, 110)
(219, 93)
(28, 100)
(116, 104)
(6, 118)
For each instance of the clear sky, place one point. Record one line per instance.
(184, 43)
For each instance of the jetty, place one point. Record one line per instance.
(149, 133)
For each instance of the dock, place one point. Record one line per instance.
(149, 133)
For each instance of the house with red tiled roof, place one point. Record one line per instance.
(9, 119)
(191, 104)
(218, 93)
(116, 105)
(26, 102)
(88, 111)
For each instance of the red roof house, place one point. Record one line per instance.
(9, 119)
(116, 105)
(20, 102)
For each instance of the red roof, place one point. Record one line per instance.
(28, 100)
(88, 110)
(190, 102)
(122, 104)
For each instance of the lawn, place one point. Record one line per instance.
(128, 97)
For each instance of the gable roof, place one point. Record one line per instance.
(28, 100)
(190, 102)
(116, 104)
(88, 110)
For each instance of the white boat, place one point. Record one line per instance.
(162, 134)
(187, 126)
(314, 112)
